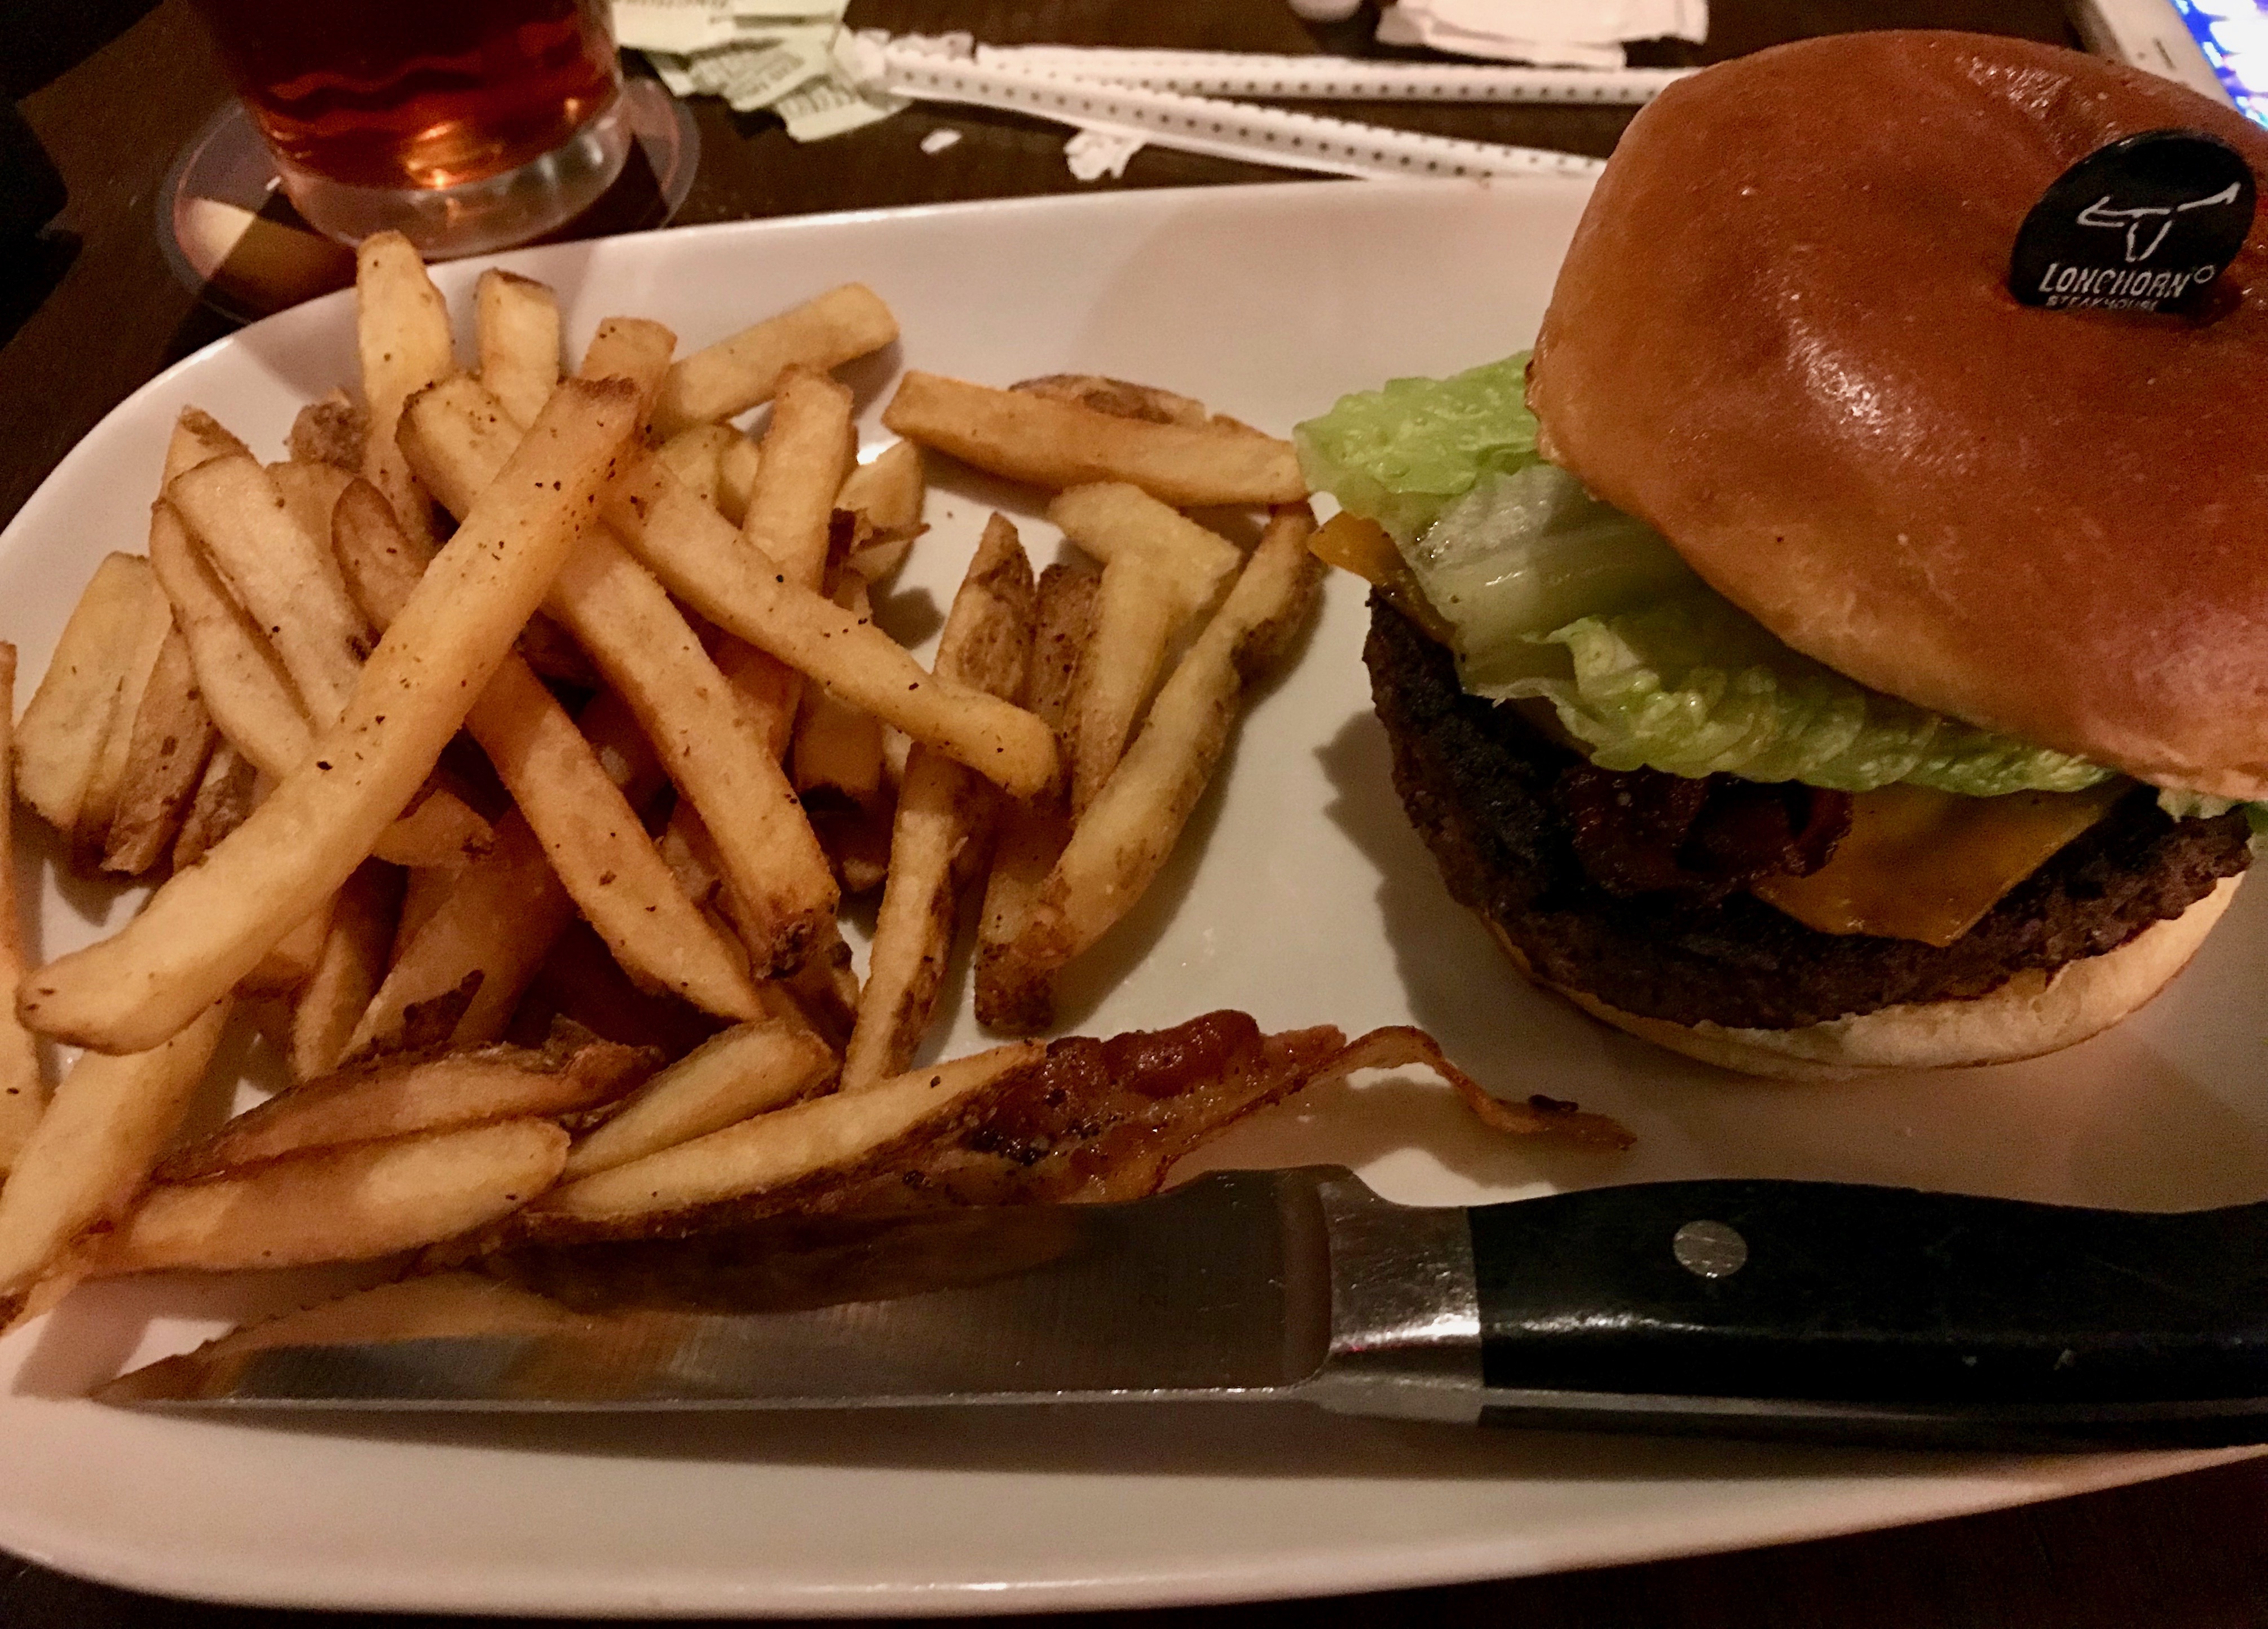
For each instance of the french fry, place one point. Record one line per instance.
(1159, 570)
(401, 336)
(351, 1203)
(170, 741)
(1117, 397)
(944, 818)
(439, 832)
(838, 748)
(696, 454)
(590, 833)
(737, 471)
(746, 1070)
(652, 658)
(1117, 848)
(91, 1151)
(1063, 444)
(145, 644)
(198, 436)
(240, 676)
(285, 579)
(809, 451)
(768, 1150)
(630, 348)
(735, 374)
(206, 927)
(493, 927)
(423, 1094)
(695, 551)
(329, 432)
(60, 738)
(888, 488)
(581, 982)
(310, 492)
(1011, 999)
(286, 966)
(517, 319)
(347, 969)
(225, 795)
(886, 493)
(22, 1096)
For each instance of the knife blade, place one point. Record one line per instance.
(1748, 1308)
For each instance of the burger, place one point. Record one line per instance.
(1810, 658)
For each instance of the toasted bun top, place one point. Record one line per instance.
(1784, 336)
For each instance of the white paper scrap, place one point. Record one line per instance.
(937, 141)
(1093, 154)
(824, 107)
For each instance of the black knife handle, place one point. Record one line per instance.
(1973, 1319)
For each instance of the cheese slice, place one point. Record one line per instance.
(1924, 864)
(1354, 544)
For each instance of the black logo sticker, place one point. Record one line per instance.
(2145, 223)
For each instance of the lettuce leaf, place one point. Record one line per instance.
(1693, 686)
(1399, 454)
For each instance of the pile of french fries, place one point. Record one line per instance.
(503, 756)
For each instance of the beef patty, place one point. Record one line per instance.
(1484, 787)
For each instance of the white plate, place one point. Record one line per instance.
(1307, 901)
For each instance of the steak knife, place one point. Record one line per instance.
(1743, 1307)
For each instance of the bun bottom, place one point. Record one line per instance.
(2031, 1015)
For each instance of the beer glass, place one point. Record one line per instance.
(466, 124)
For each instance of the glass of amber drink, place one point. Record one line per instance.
(466, 124)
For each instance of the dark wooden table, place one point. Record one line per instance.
(96, 313)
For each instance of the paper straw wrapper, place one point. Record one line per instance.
(1335, 78)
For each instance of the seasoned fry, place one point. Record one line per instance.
(710, 745)
(770, 1149)
(809, 451)
(1120, 398)
(695, 551)
(735, 374)
(240, 676)
(629, 348)
(1011, 999)
(347, 969)
(886, 494)
(518, 322)
(352, 1204)
(146, 642)
(736, 478)
(439, 832)
(206, 927)
(285, 579)
(22, 1095)
(401, 334)
(423, 1094)
(90, 1150)
(59, 737)
(697, 457)
(746, 1070)
(944, 818)
(289, 963)
(329, 431)
(1063, 444)
(170, 741)
(493, 928)
(198, 436)
(1159, 570)
(589, 830)
(225, 795)
(888, 488)
(310, 492)
(1117, 848)
(837, 748)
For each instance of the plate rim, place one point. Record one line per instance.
(372, 1584)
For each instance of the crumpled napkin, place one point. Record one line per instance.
(1551, 33)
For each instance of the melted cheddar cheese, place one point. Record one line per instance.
(1924, 864)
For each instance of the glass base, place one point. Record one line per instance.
(474, 217)
(232, 232)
